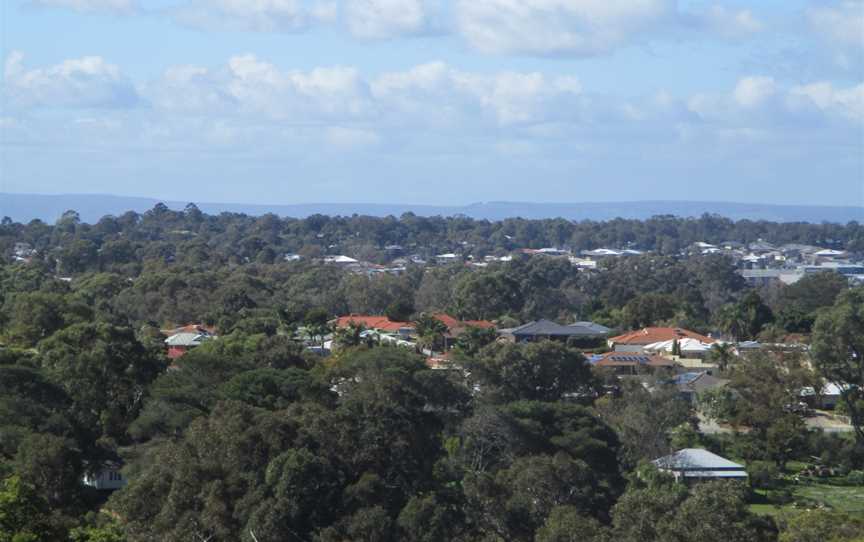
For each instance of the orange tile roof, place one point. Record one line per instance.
(458, 326)
(381, 323)
(485, 324)
(651, 335)
(632, 359)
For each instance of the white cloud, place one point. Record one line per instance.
(731, 23)
(82, 82)
(255, 15)
(841, 22)
(507, 97)
(389, 18)
(250, 85)
(550, 27)
(753, 91)
(123, 7)
(848, 102)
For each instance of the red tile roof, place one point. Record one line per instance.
(651, 335)
(632, 359)
(457, 327)
(381, 323)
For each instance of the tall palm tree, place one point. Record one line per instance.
(430, 332)
(722, 354)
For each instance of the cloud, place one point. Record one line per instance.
(117, 7)
(507, 97)
(730, 23)
(557, 27)
(255, 15)
(752, 91)
(840, 22)
(375, 19)
(249, 85)
(848, 103)
(81, 82)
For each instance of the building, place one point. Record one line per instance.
(631, 363)
(455, 327)
(691, 384)
(378, 323)
(182, 339)
(688, 348)
(548, 330)
(634, 341)
(827, 398)
(695, 465)
(107, 477)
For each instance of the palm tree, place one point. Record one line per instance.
(350, 336)
(430, 332)
(722, 354)
(733, 321)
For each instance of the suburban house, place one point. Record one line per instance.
(691, 384)
(455, 327)
(378, 323)
(182, 339)
(635, 341)
(630, 363)
(695, 464)
(688, 348)
(548, 330)
(828, 397)
(106, 478)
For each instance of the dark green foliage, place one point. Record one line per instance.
(838, 353)
(24, 516)
(275, 389)
(544, 371)
(106, 372)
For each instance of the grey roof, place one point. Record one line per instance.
(698, 381)
(186, 339)
(547, 328)
(696, 460)
(762, 246)
(590, 328)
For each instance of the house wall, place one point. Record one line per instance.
(106, 479)
(175, 352)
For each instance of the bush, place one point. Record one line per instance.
(855, 478)
(780, 497)
(763, 474)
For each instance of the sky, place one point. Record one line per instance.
(434, 101)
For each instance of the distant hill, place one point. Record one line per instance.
(91, 207)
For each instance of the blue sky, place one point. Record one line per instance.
(435, 101)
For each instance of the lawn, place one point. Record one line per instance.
(832, 495)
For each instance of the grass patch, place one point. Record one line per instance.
(809, 494)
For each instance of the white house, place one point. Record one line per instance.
(696, 464)
(107, 478)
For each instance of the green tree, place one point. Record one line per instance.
(544, 371)
(765, 388)
(644, 419)
(838, 353)
(567, 524)
(821, 526)
(430, 332)
(24, 516)
(104, 369)
(723, 354)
